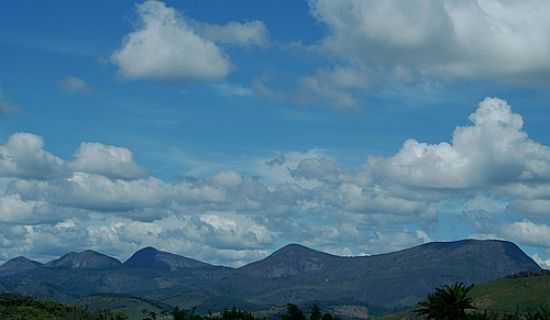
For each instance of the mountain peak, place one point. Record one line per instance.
(297, 251)
(21, 260)
(148, 250)
(290, 260)
(150, 257)
(294, 247)
(19, 264)
(87, 259)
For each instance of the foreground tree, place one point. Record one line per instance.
(293, 313)
(446, 303)
(315, 313)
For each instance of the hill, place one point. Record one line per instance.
(523, 292)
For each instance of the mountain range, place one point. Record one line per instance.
(293, 273)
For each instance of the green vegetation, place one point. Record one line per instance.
(522, 296)
(14, 307)
(130, 305)
(521, 292)
(293, 312)
(519, 297)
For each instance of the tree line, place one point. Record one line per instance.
(293, 312)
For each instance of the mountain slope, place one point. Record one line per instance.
(88, 259)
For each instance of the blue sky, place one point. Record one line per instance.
(223, 132)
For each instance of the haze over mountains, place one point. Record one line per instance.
(293, 273)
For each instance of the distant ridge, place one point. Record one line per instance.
(390, 279)
(19, 264)
(294, 273)
(87, 259)
(150, 257)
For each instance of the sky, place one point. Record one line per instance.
(224, 130)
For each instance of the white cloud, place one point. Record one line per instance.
(227, 179)
(166, 47)
(109, 161)
(75, 85)
(236, 232)
(493, 150)
(335, 86)
(377, 200)
(528, 233)
(448, 39)
(482, 210)
(95, 192)
(15, 210)
(542, 262)
(317, 168)
(252, 33)
(392, 241)
(23, 156)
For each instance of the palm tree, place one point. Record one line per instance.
(446, 303)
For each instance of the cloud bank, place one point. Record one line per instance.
(493, 176)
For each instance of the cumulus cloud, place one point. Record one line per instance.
(317, 168)
(378, 200)
(227, 179)
(96, 192)
(447, 39)
(165, 47)
(74, 84)
(493, 150)
(236, 231)
(109, 161)
(23, 155)
(482, 210)
(15, 210)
